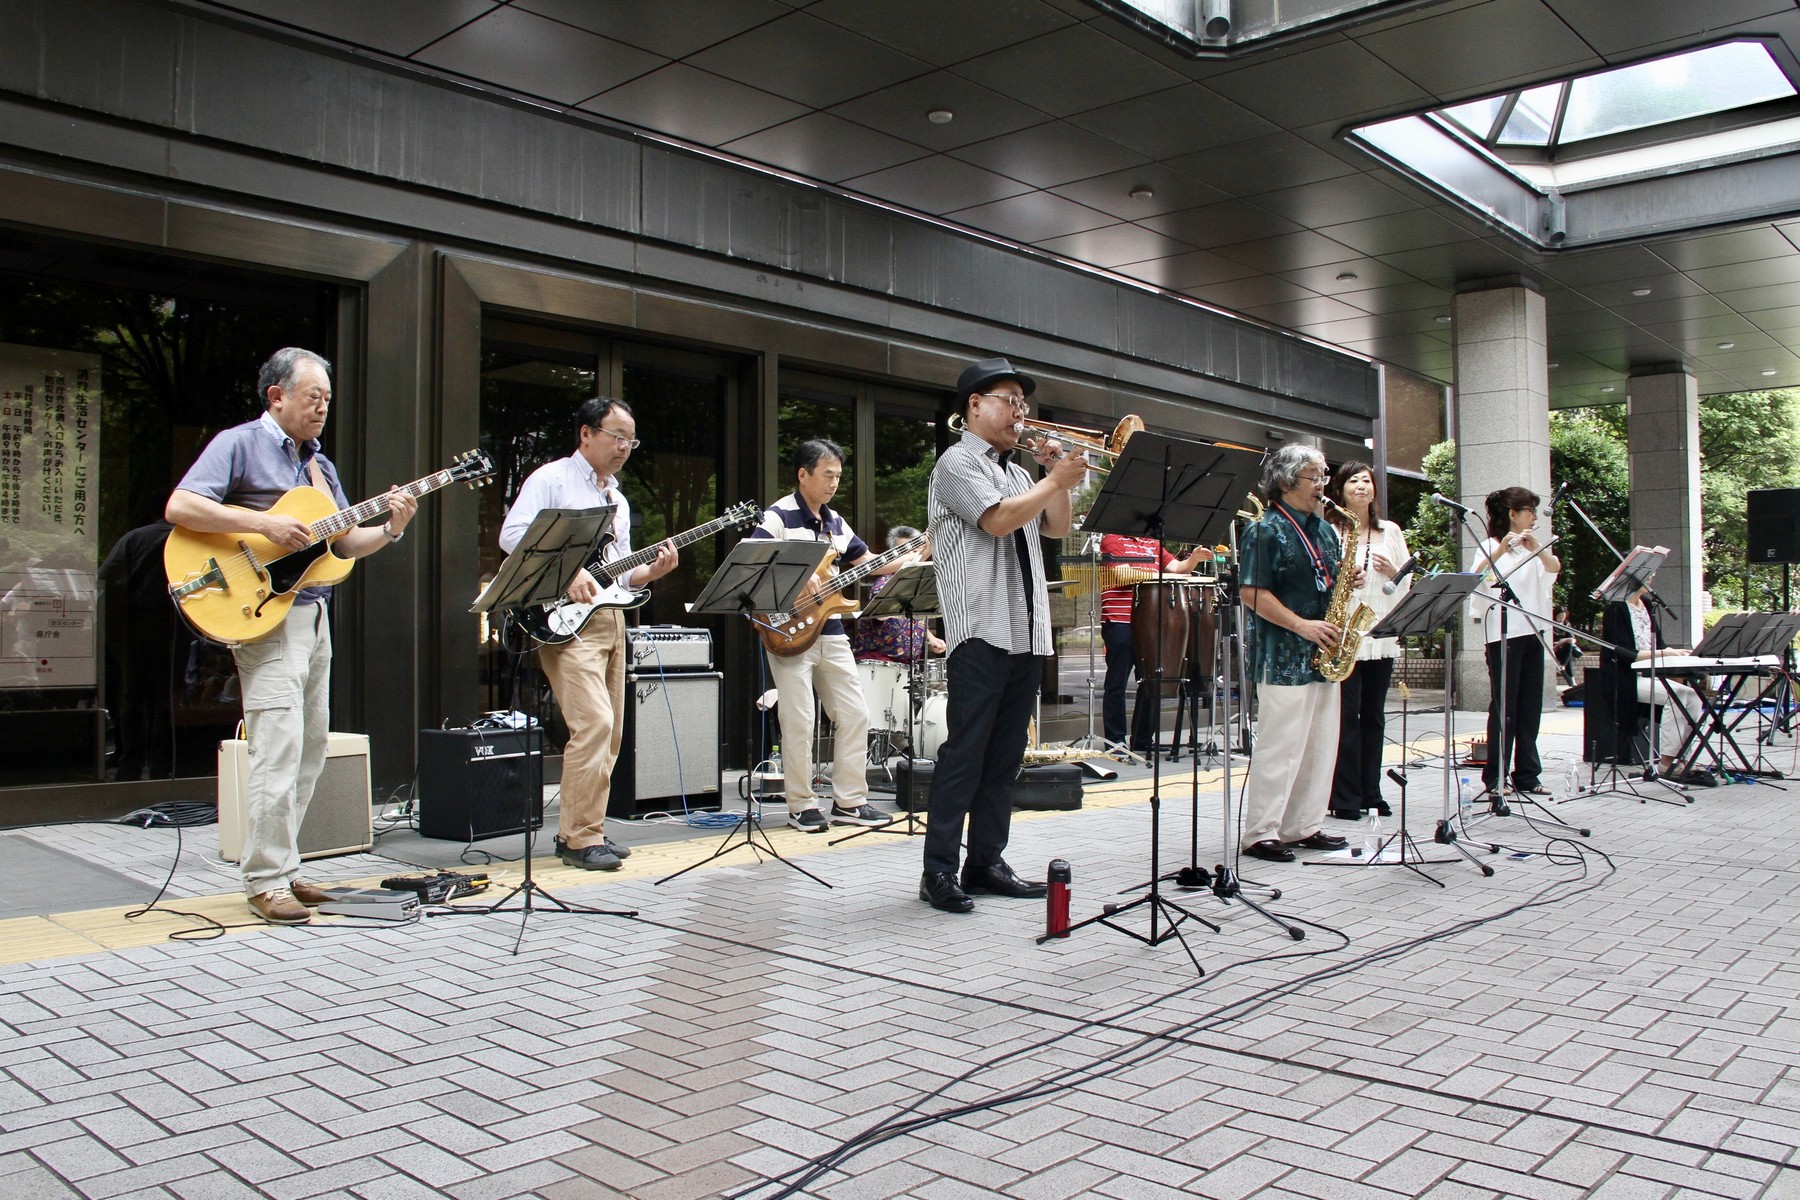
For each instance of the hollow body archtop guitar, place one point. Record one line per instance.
(239, 587)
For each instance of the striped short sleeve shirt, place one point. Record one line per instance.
(986, 592)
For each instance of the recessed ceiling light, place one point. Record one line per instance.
(1769, 372)
(1443, 320)
(1552, 366)
(940, 116)
(1608, 388)
(1143, 192)
(1640, 291)
(1346, 276)
(1726, 345)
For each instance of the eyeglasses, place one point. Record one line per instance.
(625, 443)
(1315, 478)
(1020, 405)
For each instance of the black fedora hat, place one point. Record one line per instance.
(977, 376)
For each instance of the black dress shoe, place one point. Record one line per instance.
(1347, 814)
(1000, 880)
(1381, 808)
(1321, 841)
(1270, 851)
(938, 889)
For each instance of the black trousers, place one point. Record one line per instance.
(989, 711)
(1362, 727)
(1524, 701)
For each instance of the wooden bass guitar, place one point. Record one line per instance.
(239, 587)
(790, 633)
(554, 624)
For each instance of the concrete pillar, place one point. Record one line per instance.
(1502, 430)
(1663, 436)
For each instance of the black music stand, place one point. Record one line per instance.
(1171, 489)
(558, 544)
(1431, 604)
(760, 575)
(910, 593)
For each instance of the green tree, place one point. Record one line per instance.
(1747, 440)
(1589, 455)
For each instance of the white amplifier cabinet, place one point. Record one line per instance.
(654, 649)
(340, 819)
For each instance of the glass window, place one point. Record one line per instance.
(1715, 79)
(806, 413)
(1477, 116)
(909, 450)
(162, 353)
(1532, 117)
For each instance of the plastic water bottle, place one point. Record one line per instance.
(1371, 837)
(1462, 798)
(1574, 780)
(775, 760)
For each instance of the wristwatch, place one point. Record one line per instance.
(388, 530)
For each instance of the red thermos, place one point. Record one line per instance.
(1056, 900)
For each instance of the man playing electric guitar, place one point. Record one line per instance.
(825, 669)
(587, 672)
(284, 678)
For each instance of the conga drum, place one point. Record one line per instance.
(1159, 630)
(1203, 619)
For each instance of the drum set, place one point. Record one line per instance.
(901, 702)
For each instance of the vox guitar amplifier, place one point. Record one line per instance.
(479, 783)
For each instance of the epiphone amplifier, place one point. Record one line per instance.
(654, 648)
(479, 783)
(340, 819)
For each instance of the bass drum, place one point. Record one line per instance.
(885, 694)
(934, 725)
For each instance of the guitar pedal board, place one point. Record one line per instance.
(663, 648)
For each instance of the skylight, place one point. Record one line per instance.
(1604, 156)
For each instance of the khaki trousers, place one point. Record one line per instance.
(285, 680)
(1295, 759)
(826, 670)
(588, 676)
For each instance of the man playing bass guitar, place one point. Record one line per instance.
(587, 672)
(826, 667)
(284, 677)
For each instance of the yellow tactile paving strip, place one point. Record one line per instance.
(62, 935)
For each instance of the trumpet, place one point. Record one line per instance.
(1073, 438)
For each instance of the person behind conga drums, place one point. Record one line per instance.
(1632, 624)
(825, 669)
(1118, 550)
(895, 639)
(1289, 562)
(1362, 698)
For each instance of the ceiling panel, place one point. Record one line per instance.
(1307, 311)
(1615, 293)
(1070, 70)
(937, 185)
(1168, 124)
(1743, 275)
(1289, 252)
(1170, 190)
(694, 105)
(671, 28)
(390, 28)
(1253, 292)
(1049, 154)
(1395, 232)
(1723, 249)
(1399, 297)
(808, 60)
(825, 147)
(1114, 245)
(1183, 271)
(538, 56)
(1033, 217)
(918, 27)
(1613, 28)
(1214, 225)
(979, 113)
(1262, 164)
(1334, 201)
(1366, 273)
(1363, 84)
(1484, 48)
(1603, 266)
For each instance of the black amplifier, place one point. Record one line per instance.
(657, 649)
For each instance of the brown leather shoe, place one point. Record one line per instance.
(277, 906)
(309, 894)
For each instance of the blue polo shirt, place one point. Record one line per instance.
(255, 464)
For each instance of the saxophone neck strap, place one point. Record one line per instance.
(1323, 574)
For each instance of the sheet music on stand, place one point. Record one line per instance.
(760, 575)
(910, 591)
(558, 543)
(1633, 573)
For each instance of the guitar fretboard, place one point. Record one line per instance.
(607, 573)
(347, 519)
(849, 579)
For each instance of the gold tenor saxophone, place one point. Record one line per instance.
(1352, 622)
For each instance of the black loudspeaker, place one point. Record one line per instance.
(1773, 516)
(479, 783)
(671, 743)
(1607, 734)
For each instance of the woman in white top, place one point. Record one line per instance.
(1362, 709)
(1631, 624)
(1513, 550)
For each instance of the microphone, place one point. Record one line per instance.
(1562, 489)
(1447, 502)
(1393, 585)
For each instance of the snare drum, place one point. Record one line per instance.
(884, 691)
